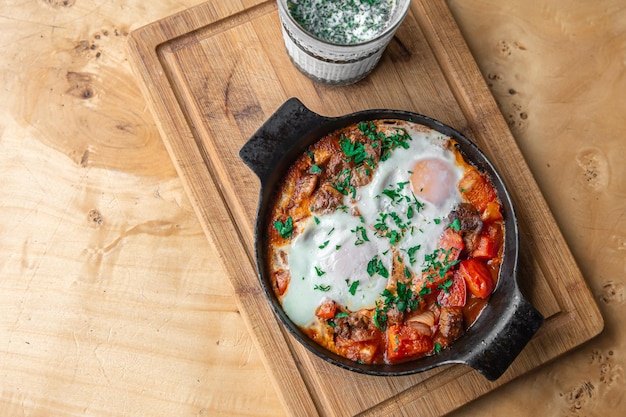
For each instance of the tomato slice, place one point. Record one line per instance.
(365, 352)
(281, 281)
(404, 342)
(492, 212)
(488, 242)
(486, 248)
(452, 243)
(455, 295)
(327, 309)
(450, 247)
(477, 276)
(476, 189)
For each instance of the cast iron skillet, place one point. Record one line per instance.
(505, 325)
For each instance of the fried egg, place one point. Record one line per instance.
(411, 194)
(347, 255)
(329, 260)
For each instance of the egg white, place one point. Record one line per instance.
(326, 260)
(428, 219)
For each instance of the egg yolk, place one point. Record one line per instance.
(432, 180)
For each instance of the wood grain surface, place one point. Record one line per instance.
(214, 73)
(116, 303)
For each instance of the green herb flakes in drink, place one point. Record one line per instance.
(342, 22)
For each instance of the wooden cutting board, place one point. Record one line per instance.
(214, 73)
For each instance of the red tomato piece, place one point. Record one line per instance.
(486, 248)
(492, 212)
(488, 242)
(452, 243)
(432, 280)
(477, 276)
(476, 189)
(455, 295)
(404, 342)
(281, 280)
(365, 352)
(326, 310)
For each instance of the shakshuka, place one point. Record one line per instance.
(384, 244)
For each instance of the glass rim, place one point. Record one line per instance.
(403, 9)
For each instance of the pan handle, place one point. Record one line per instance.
(277, 135)
(514, 332)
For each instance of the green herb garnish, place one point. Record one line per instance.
(445, 286)
(455, 225)
(354, 151)
(376, 266)
(343, 183)
(361, 235)
(284, 229)
(411, 252)
(353, 287)
(438, 263)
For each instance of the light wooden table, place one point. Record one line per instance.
(114, 302)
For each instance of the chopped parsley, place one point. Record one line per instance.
(343, 183)
(398, 138)
(323, 245)
(398, 221)
(383, 229)
(410, 212)
(438, 263)
(407, 272)
(393, 225)
(380, 318)
(354, 151)
(424, 291)
(394, 195)
(361, 234)
(445, 286)
(322, 288)
(455, 225)
(404, 299)
(411, 252)
(338, 315)
(394, 237)
(376, 266)
(353, 287)
(380, 225)
(284, 229)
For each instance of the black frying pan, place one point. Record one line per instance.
(507, 322)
